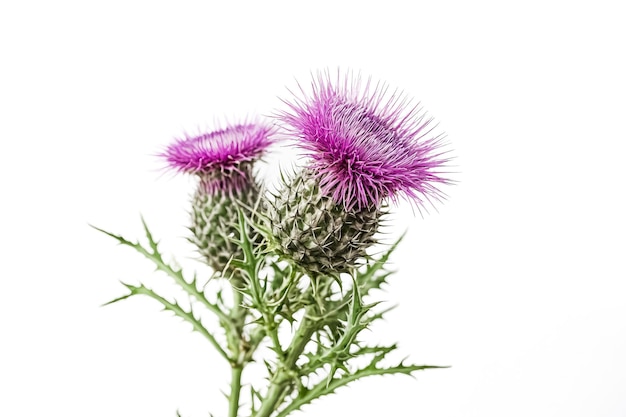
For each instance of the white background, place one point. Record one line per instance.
(517, 281)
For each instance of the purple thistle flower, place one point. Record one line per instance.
(366, 145)
(221, 158)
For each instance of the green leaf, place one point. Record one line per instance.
(330, 386)
(174, 307)
(153, 243)
(373, 274)
(255, 397)
(342, 342)
(175, 273)
(370, 276)
(119, 298)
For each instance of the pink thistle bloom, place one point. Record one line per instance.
(366, 145)
(221, 158)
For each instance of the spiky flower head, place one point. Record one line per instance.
(223, 160)
(315, 232)
(366, 144)
(217, 157)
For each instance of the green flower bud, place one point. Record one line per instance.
(320, 235)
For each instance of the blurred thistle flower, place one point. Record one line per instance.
(223, 161)
(365, 147)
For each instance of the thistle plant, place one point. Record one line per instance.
(298, 262)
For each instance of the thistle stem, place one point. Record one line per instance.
(273, 332)
(281, 379)
(279, 384)
(238, 317)
(235, 390)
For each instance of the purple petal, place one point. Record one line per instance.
(219, 150)
(365, 143)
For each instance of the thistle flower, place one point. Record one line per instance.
(223, 161)
(365, 147)
(216, 157)
(317, 233)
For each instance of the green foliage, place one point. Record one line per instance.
(175, 273)
(324, 349)
(174, 307)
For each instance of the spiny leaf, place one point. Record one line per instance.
(254, 397)
(123, 297)
(380, 355)
(175, 273)
(338, 352)
(180, 312)
(377, 316)
(252, 262)
(367, 277)
(329, 387)
(365, 350)
(151, 241)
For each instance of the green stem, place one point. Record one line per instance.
(282, 378)
(273, 332)
(237, 319)
(236, 344)
(311, 322)
(235, 390)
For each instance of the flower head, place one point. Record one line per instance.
(223, 160)
(221, 157)
(366, 145)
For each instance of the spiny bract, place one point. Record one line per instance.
(315, 232)
(214, 220)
